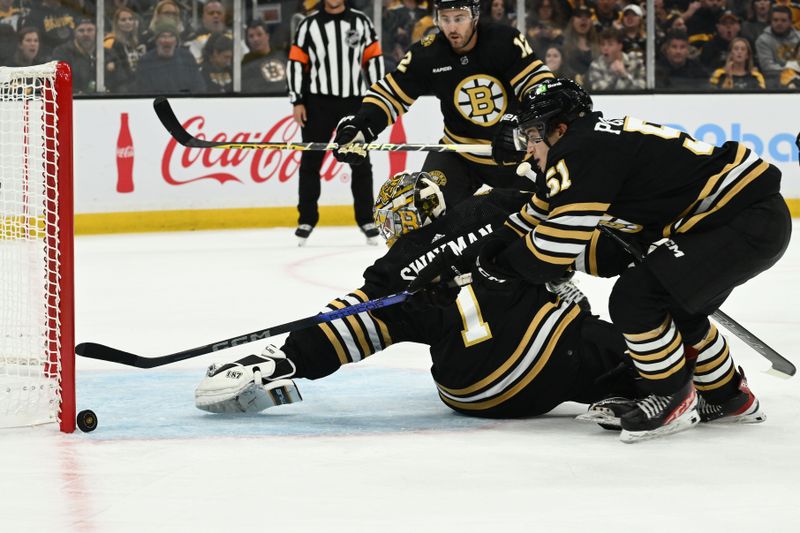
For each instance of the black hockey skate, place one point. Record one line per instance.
(607, 412)
(656, 416)
(303, 232)
(742, 408)
(370, 231)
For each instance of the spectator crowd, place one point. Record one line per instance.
(174, 46)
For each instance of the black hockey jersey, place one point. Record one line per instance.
(649, 180)
(474, 90)
(494, 353)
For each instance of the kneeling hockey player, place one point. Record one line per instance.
(495, 353)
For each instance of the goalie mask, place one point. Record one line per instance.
(406, 202)
(547, 104)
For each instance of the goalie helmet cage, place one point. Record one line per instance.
(37, 357)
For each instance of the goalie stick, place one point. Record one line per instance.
(94, 350)
(781, 367)
(179, 133)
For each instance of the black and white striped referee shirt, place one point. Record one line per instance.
(331, 54)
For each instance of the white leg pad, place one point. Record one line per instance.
(228, 393)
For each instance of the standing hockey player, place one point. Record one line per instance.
(478, 71)
(717, 212)
(495, 353)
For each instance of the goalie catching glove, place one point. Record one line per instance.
(248, 385)
(352, 129)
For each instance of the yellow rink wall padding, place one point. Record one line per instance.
(200, 219)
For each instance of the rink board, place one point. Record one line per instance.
(179, 188)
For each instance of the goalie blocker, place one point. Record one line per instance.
(249, 385)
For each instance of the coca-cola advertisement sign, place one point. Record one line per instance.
(124, 156)
(181, 165)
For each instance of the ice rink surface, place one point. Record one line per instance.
(370, 448)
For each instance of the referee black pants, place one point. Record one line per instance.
(322, 114)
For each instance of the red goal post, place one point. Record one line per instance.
(37, 355)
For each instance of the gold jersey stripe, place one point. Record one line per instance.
(581, 235)
(400, 109)
(718, 384)
(381, 104)
(708, 339)
(649, 335)
(540, 204)
(337, 346)
(661, 354)
(555, 260)
(515, 230)
(591, 207)
(709, 186)
(535, 80)
(532, 220)
(387, 339)
(527, 70)
(714, 363)
(357, 329)
(541, 361)
(403, 96)
(533, 327)
(665, 374)
(593, 269)
(736, 189)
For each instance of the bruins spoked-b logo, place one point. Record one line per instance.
(481, 99)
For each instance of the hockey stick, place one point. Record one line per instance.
(781, 367)
(179, 133)
(93, 350)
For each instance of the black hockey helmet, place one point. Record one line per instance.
(408, 201)
(474, 6)
(552, 102)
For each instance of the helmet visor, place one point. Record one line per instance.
(532, 131)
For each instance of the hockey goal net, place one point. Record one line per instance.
(37, 354)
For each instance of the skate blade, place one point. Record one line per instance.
(687, 420)
(600, 418)
(751, 418)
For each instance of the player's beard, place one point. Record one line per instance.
(462, 41)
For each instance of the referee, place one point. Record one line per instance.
(332, 51)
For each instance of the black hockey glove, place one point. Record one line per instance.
(504, 149)
(439, 294)
(491, 270)
(352, 129)
(444, 267)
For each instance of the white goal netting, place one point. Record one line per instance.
(30, 253)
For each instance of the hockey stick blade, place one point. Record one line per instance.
(93, 350)
(781, 366)
(171, 123)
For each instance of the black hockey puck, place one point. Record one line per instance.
(87, 420)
